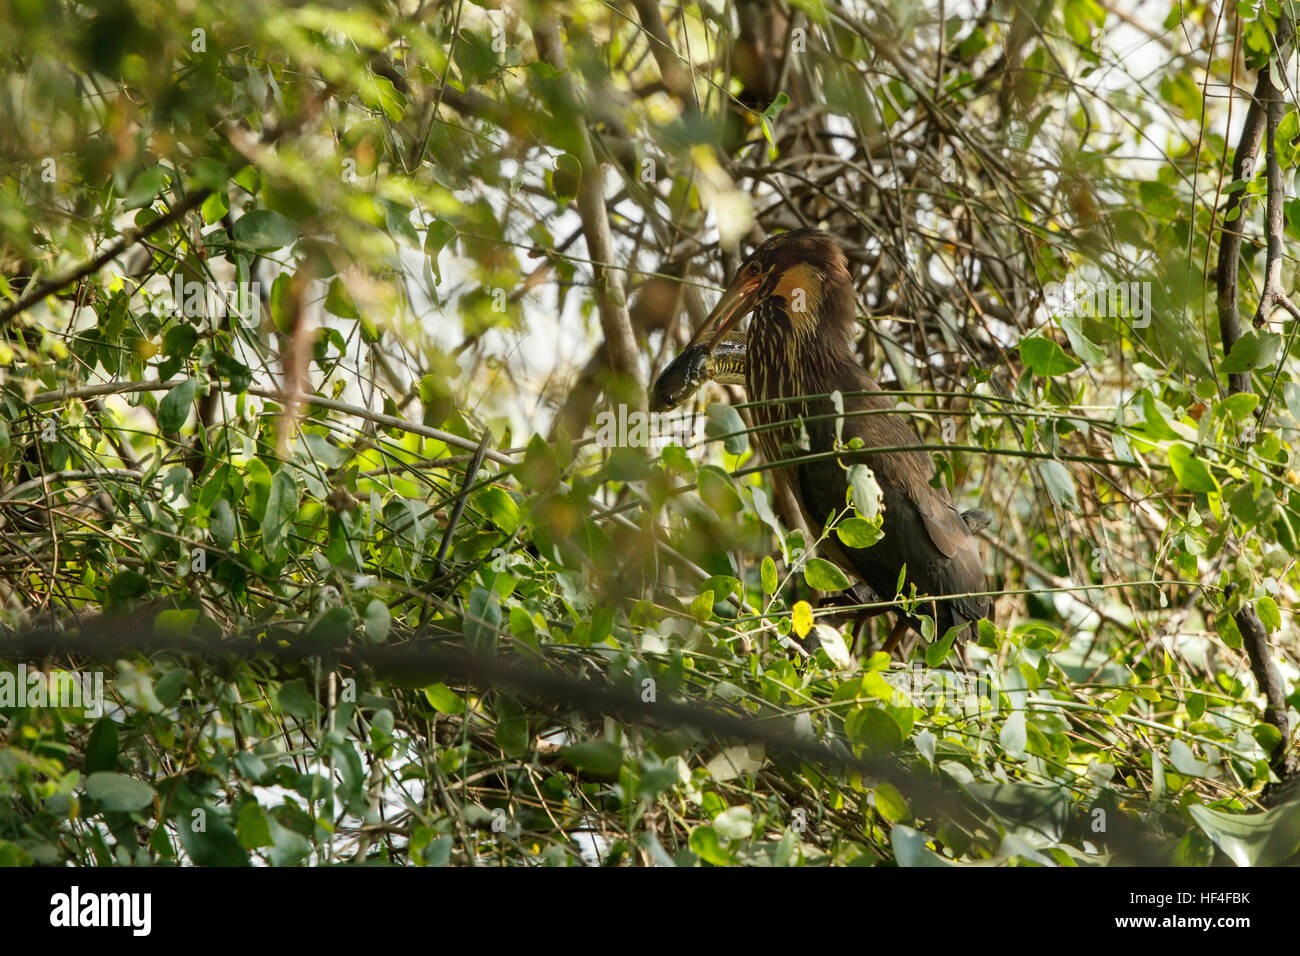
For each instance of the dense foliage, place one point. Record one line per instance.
(324, 334)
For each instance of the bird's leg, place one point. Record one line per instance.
(896, 635)
(855, 594)
(863, 621)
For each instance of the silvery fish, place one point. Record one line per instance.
(695, 365)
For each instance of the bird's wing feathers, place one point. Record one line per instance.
(909, 472)
(942, 522)
(922, 528)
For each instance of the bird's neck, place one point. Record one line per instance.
(792, 355)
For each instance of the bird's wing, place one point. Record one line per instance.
(922, 528)
(909, 472)
(942, 522)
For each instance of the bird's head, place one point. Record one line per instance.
(799, 281)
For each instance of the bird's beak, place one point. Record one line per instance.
(689, 369)
(736, 303)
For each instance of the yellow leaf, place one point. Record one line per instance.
(803, 619)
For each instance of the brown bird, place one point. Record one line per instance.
(798, 350)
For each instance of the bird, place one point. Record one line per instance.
(798, 350)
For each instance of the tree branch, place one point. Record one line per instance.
(611, 297)
(1264, 115)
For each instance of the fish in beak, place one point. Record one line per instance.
(716, 352)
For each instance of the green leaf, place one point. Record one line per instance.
(1013, 736)
(768, 117)
(776, 106)
(118, 792)
(816, 10)
(250, 766)
(767, 573)
(498, 507)
(296, 701)
(339, 301)
(216, 844)
(858, 532)
(444, 700)
(482, 622)
(1252, 839)
(214, 207)
(1291, 392)
(287, 847)
(725, 420)
(1267, 736)
(1253, 350)
(264, 230)
(1059, 483)
(821, 575)
(838, 401)
(734, 823)
(1268, 612)
(565, 179)
(719, 491)
(1044, 357)
(101, 746)
(910, 848)
(511, 733)
(379, 92)
(281, 510)
(875, 728)
(128, 584)
(145, 187)
(833, 646)
(236, 372)
(597, 757)
(221, 523)
(210, 173)
(436, 237)
(172, 684)
(175, 407)
(430, 849)
(377, 620)
(702, 607)
(252, 828)
(704, 843)
(1238, 406)
(764, 510)
(397, 220)
(1190, 470)
(891, 804)
(179, 341)
(938, 651)
(1157, 777)
(1184, 761)
(1072, 325)
(332, 626)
